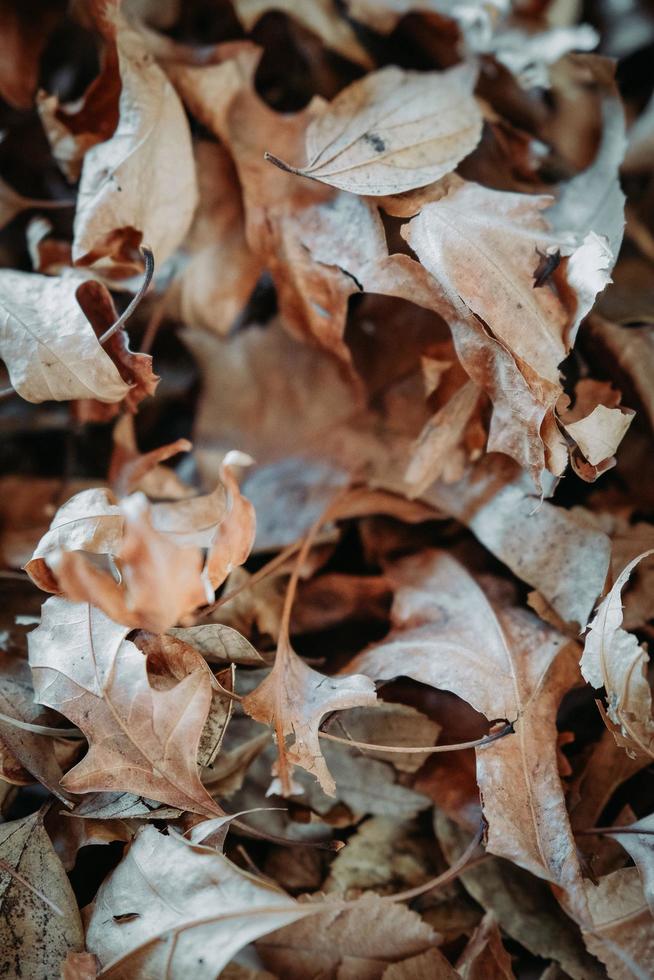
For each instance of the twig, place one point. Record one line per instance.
(423, 749)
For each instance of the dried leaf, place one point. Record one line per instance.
(136, 931)
(613, 659)
(48, 345)
(139, 185)
(292, 700)
(32, 750)
(24, 32)
(523, 905)
(520, 673)
(358, 942)
(142, 739)
(160, 582)
(35, 938)
(394, 130)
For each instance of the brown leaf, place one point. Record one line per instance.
(134, 929)
(614, 660)
(485, 957)
(35, 937)
(394, 130)
(142, 739)
(216, 240)
(160, 582)
(134, 368)
(292, 700)
(523, 906)
(34, 751)
(139, 185)
(79, 966)
(360, 941)
(48, 345)
(623, 931)
(520, 673)
(554, 550)
(430, 965)
(24, 32)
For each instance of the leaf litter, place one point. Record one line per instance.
(324, 649)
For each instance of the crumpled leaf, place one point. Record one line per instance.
(156, 547)
(48, 345)
(614, 660)
(293, 699)
(473, 236)
(394, 130)
(136, 931)
(142, 739)
(139, 185)
(34, 938)
(160, 582)
(599, 434)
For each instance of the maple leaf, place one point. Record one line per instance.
(142, 739)
(292, 700)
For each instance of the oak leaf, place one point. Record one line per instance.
(142, 739)
(293, 699)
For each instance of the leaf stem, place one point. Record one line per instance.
(286, 167)
(424, 749)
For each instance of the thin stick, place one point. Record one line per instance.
(423, 749)
(461, 864)
(147, 279)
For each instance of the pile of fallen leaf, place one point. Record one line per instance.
(324, 647)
